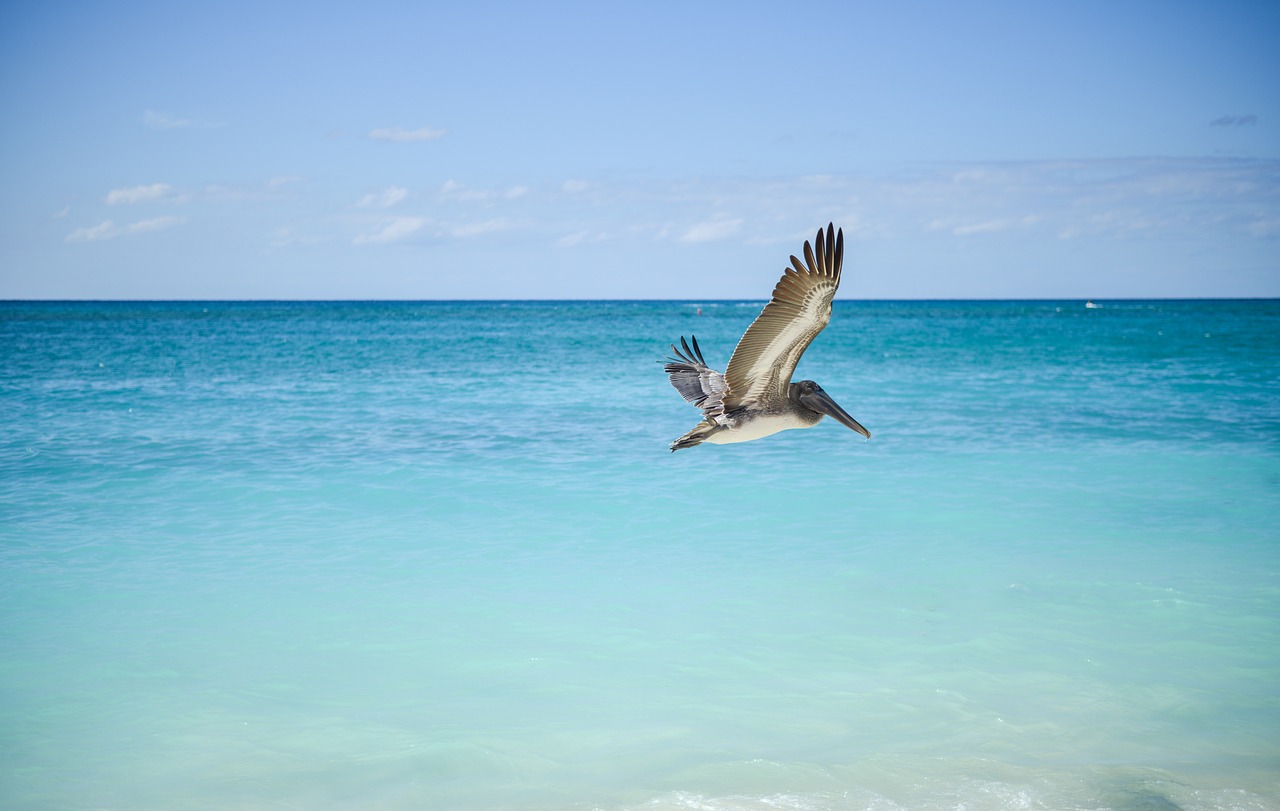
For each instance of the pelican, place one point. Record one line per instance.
(755, 396)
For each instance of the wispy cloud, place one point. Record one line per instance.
(280, 181)
(583, 237)
(386, 198)
(402, 135)
(396, 230)
(107, 229)
(276, 188)
(1115, 199)
(103, 230)
(288, 236)
(964, 229)
(1234, 121)
(454, 191)
(475, 229)
(139, 194)
(400, 229)
(154, 224)
(157, 120)
(979, 205)
(711, 230)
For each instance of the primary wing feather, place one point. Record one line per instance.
(767, 354)
(697, 383)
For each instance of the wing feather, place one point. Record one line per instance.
(767, 354)
(697, 383)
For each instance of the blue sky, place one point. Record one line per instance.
(646, 150)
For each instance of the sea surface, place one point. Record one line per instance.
(353, 555)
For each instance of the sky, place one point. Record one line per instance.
(656, 150)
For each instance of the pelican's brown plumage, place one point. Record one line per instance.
(755, 396)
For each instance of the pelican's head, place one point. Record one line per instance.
(811, 396)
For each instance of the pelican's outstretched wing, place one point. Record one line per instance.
(769, 350)
(697, 382)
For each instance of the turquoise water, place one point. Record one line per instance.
(437, 556)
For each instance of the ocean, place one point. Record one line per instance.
(436, 555)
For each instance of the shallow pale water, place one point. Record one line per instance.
(437, 556)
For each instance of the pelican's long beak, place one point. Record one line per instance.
(821, 402)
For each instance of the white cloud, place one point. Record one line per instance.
(286, 236)
(395, 230)
(402, 135)
(154, 224)
(107, 229)
(456, 191)
(984, 227)
(103, 230)
(139, 194)
(569, 240)
(398, 229)
(711, 230)
(280, 181)
(162, 121)
(988, 227)
(386, 198)
(475, 229)
(966, 202)
(583, 237)
(453, 190)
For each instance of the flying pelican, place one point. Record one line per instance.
(755, 396)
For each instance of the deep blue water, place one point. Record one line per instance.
(437, 556)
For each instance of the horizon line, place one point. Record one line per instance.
(600, 300)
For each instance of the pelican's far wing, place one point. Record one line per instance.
(767, 354)
(697, 382)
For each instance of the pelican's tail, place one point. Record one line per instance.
(697, 436)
